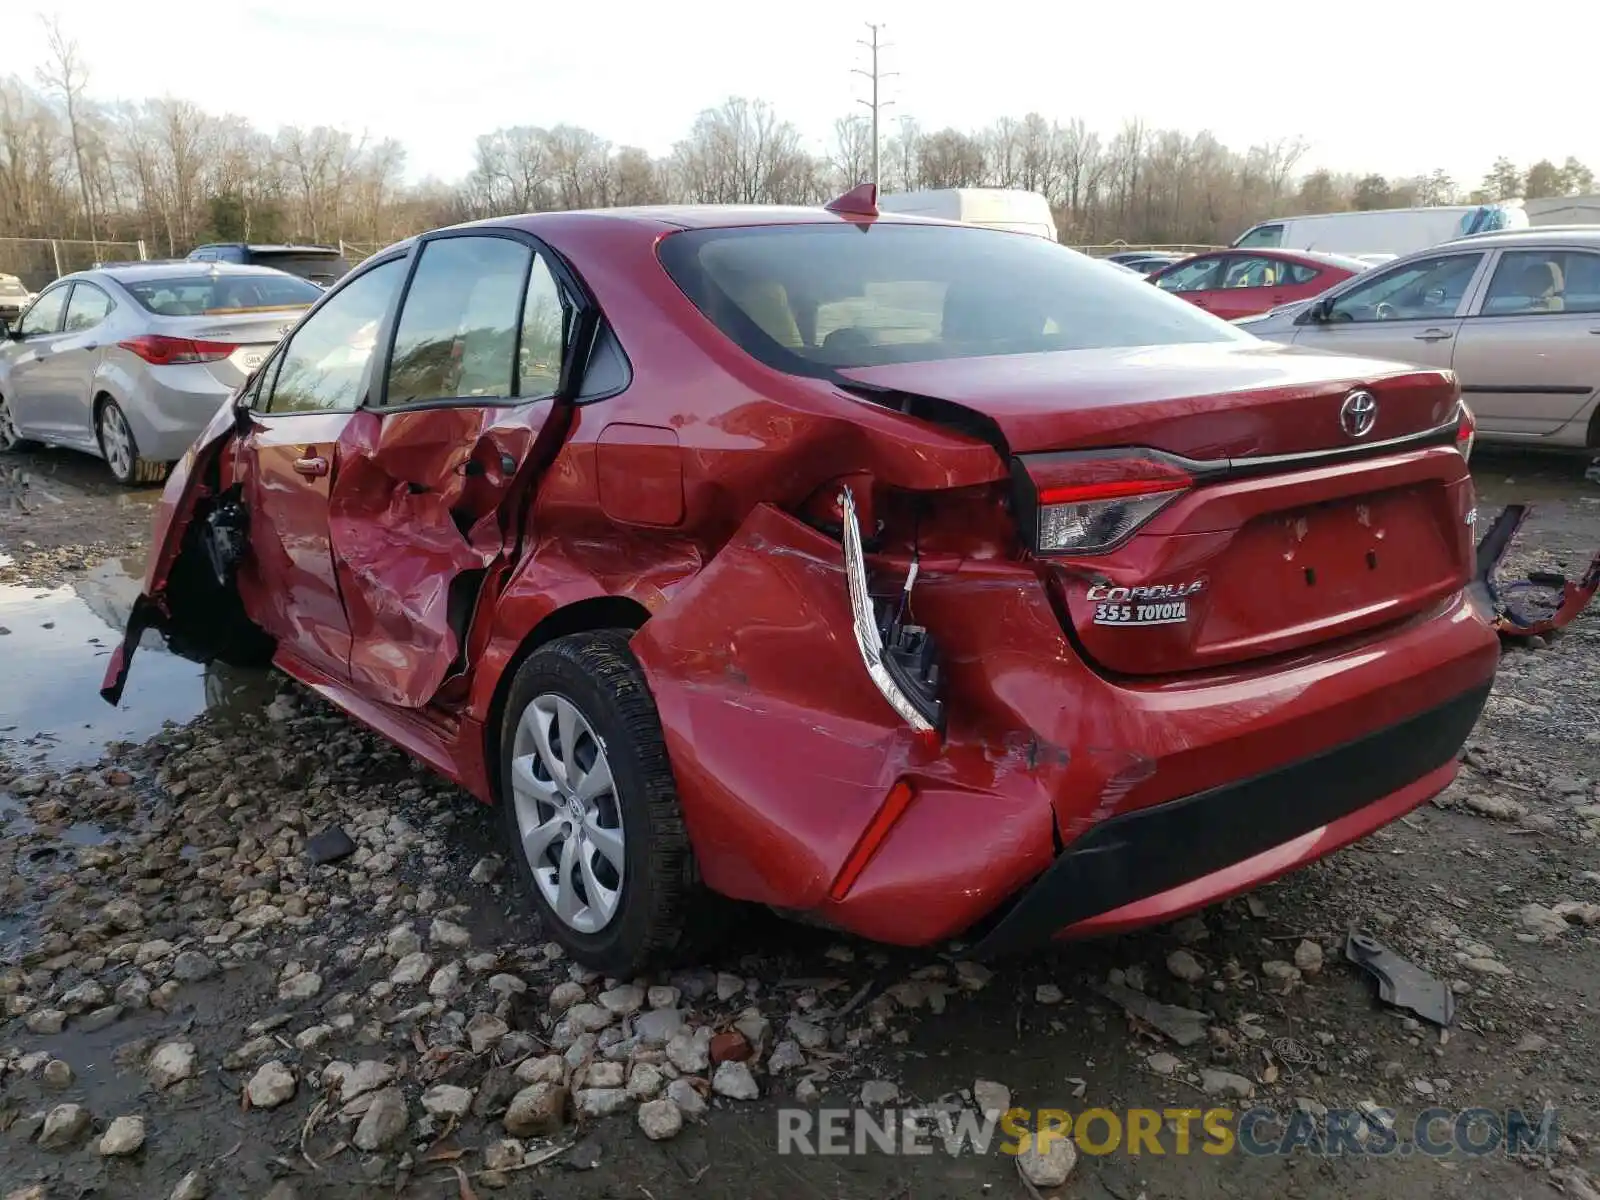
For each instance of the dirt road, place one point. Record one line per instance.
(192, 1007)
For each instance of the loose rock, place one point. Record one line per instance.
(384, 1121)
(273, 1084)
(733, 1080)
(660, 1119)
(122, 1137)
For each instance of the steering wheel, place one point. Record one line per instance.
(1383, 311)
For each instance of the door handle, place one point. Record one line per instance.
(90, 346)
(311, 467)
(1434, 335)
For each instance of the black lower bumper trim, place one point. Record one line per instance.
(1149, 851)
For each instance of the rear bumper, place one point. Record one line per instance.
(1157, 863)
(170, 406)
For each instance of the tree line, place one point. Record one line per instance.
(167, 172)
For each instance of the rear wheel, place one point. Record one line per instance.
(121, 451)
(589, 805)
(11, 438)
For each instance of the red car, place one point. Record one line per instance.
(921, 579)
(1243, 283)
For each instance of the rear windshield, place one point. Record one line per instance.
(322, 268)
(810, 299)
(208, 295)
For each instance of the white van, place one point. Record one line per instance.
(996, 208)
(1389, 232)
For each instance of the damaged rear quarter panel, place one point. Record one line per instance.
(783, 750)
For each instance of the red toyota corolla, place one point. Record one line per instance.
(1242, 283)
(921, 579)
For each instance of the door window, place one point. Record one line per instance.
(546, 319)
(87, 308)
(325, 364)
(1296, 274)
(1252, 273)
(45, 315)
(1425, 289)
(1529, 282)
(1201, 275)
(459, 328)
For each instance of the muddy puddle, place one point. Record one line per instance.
(54, 644)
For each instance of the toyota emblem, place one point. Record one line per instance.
(1358, 414)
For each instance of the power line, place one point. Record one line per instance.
(875, 104)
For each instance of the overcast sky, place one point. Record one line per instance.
(1398, 87)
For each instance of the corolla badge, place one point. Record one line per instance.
(1358, 414)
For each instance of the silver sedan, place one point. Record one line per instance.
(1515, 314)
(129, 362)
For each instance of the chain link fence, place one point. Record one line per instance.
(38, 262)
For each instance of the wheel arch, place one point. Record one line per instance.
(580, 616)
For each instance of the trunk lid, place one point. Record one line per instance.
(1254, 556)
(252, 334)
(1205, 401)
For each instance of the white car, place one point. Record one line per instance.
(130, 362)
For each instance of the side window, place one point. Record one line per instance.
(325, 363)
(1251, 273)
(1262, 236)
(204, 256)
(87, 308)
(1425, 289)
(1528, 282)
(458, 330)
(546, 319)
(45, 315)
(1198, 276)
(1296, 274)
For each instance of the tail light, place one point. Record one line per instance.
(1466, 429)
(162, 351)
(1092, 503)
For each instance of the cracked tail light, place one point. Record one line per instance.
(1088, 505)
(1466, 430)
(869, 637)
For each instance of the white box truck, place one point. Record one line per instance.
(995, 208)
(1385, 232)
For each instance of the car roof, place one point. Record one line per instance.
(1584, 235)
(150, 272)
(273, 247)
(697, 216)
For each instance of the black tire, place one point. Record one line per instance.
(660, 890)
(12, 442)
(132, 471)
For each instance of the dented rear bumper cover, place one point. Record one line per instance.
(1157, 863)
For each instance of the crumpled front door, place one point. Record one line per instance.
(423, 505)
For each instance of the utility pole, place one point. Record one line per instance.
(875, 104)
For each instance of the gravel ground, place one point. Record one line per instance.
(189, 1006)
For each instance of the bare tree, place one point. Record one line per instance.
(66, 75)
(851, 153)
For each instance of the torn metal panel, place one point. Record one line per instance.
(416, 513)
(1543, 602)
(184, 491)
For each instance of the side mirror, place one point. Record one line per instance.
(1318, 312)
